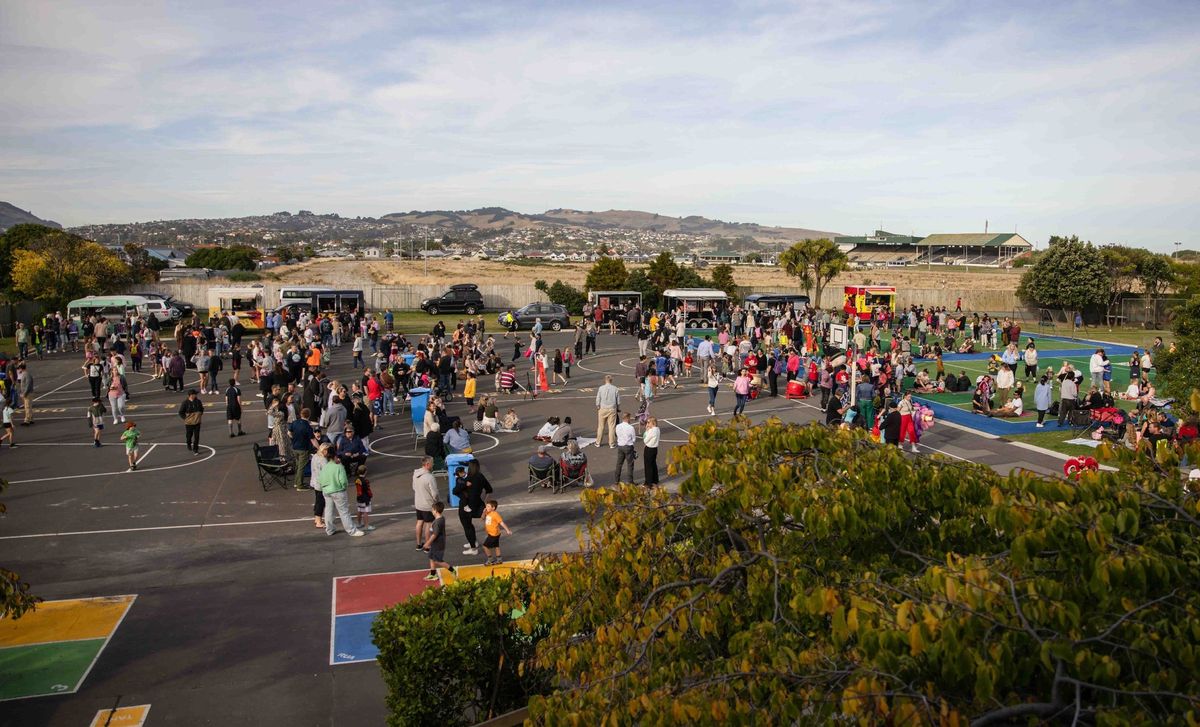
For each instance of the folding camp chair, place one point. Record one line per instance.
(272, 468)
(571, 476)
(542, 477)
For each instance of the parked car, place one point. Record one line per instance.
(462, 298)
(186, 310)
(553, 315)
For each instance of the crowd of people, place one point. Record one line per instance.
(324, 424)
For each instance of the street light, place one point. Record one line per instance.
(1177, 248)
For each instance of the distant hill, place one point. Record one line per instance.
(498, 218)
(11, 215)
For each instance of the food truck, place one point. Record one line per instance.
(863, 300)
(615, 303)
(700, 306)
(245, 303)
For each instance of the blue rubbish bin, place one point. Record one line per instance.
(418, 401)
(453, 461)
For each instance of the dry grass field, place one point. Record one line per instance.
(359, 272)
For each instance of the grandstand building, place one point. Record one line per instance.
(888, 249)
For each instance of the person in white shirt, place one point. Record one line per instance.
(1096, 368)
(626, 436)
(1014, 408)
(1005, 379)
(650, 451)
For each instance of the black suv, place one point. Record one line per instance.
(464, 298)
(553, 315)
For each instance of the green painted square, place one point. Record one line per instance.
(37, 669)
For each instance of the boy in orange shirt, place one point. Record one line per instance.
(492, 522)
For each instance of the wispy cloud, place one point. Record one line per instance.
(836, 115)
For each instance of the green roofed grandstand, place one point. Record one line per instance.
(888, 249)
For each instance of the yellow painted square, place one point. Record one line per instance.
(67, 620)
(122, 717)
(476, 572)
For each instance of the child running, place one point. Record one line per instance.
(362, 488)
(435, 544)
(130, 437)
(96, 415)
(492, 523)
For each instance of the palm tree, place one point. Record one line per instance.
(815, 263)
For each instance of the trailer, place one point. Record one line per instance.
(700, 306)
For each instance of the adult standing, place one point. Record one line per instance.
(714, 384)
(650, 439)
(304, 441)
(191, 411)
(741, 391)
(1096, 368)
(1041, 399)
(1068, 395)
(608, 403)
(25, 389)
(319, 460)
(626, 436)
(333, 483)
(908, 428)
(233, 408)
(470, 491)
(425, 493)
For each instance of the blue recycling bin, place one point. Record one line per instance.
(408, 358)
(418, 401)
(453, 461)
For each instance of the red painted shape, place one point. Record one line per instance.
(375, 592)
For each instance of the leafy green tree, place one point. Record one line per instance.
(1179, 372)
(1120, 268)
(638, 281)
(309, 251)
(808, 574)
(722, 279)
(60, 266)
(1155, 273)
(453, 656)
(815, 263)
(563, 294)
(15, 598)
(664, 273)
(17, 237)
(232, 257)
(607, 273)
(285, 253)
(1070, 274)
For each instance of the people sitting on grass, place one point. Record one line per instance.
(967, 346)
(981, 402)
(1015, 406)
(923, 385)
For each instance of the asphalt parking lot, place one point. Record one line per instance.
(231, 623)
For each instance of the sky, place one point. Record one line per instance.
(921, 117)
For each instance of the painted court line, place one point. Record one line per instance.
(211, 453)
(195, 526)
(147, 454)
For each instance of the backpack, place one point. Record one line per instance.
(780, 366)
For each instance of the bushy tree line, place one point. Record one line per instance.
(1079, 276)
(230, 257)
(54, 267)
(804, 575)
(663, 273)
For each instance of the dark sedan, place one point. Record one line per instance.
(554, 316)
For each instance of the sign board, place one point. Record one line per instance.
(839, 336)
(123, 716)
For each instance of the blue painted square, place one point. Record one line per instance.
(352, 638)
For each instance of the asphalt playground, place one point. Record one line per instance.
(183, 594)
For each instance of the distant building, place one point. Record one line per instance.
(371, 252)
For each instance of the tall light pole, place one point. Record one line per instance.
(1177, 248)
(427, 253)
